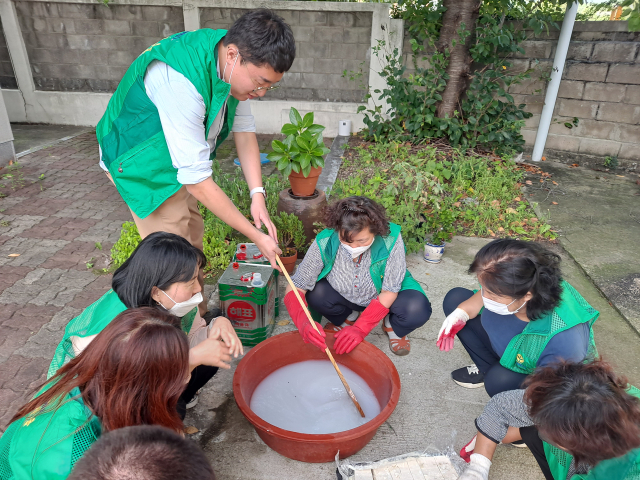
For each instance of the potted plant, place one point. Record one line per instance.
(292, 238)
(300, 155)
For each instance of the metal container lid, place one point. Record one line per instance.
(233, 276)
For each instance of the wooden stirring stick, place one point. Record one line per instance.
(326, 350)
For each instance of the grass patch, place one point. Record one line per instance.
(434, 194)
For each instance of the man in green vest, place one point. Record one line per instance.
(174, 106)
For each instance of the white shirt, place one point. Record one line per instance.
(182, 112)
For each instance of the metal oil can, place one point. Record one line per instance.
(249, 253)
(249, 305)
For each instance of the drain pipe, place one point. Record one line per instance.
(554, 82)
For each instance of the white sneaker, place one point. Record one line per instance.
(193, 402)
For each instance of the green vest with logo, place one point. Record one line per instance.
(46, 443)
(524, 350)
(92, 321)
(133, 145)
(328, 241)
(626, 467)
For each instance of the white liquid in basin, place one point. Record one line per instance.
(308, 397)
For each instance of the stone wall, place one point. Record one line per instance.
(600, 86)
(327, 44)
(7, 77)
(88, 48)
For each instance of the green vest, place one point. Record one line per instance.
(47, 442)
(130, 134)
(626, 467)
(524, 350)
(328, 241)
(92, 321)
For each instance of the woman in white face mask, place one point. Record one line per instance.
(355, 275)
(531, 317)
(162, 272)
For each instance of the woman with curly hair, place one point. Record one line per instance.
(355, 275)
(132, 373)
(581, 421)
(524, 316)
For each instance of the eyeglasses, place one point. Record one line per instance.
(258, 89)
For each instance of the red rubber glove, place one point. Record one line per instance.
(300, 320)
(349, 337)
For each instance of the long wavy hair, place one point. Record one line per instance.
(132, 373)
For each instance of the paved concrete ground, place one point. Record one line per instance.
(598, 217)
(29, 136)
(58, 204)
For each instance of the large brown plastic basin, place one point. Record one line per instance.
(366, 360)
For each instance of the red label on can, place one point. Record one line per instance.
(240, 311)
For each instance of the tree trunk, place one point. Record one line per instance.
(458, 12)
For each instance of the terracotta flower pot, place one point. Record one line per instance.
(304, 186)
(290, 261)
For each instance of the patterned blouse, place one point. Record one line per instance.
(350, 278)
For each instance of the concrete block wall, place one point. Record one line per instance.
(7, 76)
(88, 47)
(327, 44)
(600, 86)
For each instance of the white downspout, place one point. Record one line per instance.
(554, 82)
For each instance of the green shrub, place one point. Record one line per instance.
(430, 197)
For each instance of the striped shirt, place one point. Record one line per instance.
(508, 409)
(350, 278)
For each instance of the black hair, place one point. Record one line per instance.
(514, 267)
(585, 408)
(353, 214)
(145, 452)
(262, 37)
(160, 260)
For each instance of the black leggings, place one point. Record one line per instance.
(531, 438)
(410, 310)
(476, 342)
(199, 377)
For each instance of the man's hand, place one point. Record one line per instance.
(268, 247)
(261, 215)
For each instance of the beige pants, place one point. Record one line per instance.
(178, 214)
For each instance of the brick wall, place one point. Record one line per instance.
(600, 85)
(327, 43)
(88, 48)
(7, 77)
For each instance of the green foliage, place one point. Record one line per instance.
(302, 148)
(220, 240)
(602, 11)
(434, 198)
(611, 162)
(126, 244)
(290, 231)
(488, 116)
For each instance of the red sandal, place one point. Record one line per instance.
(399, 346)
(331, 328)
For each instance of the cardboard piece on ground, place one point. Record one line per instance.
(418, 467)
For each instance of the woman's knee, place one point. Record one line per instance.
(455, 297)
(500, 379)
(317, 298)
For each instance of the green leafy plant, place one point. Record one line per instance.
(434, 198)
(219, 239)
(290, 232)
(611, 162)
(302, 148)
(126, 244)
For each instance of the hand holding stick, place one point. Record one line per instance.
(313, 324)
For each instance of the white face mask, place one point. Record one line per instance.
(182, 308)
(499, 308)
(356, 251)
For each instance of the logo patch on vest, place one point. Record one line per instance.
(519, 359)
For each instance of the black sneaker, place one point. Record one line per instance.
(468, 377)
